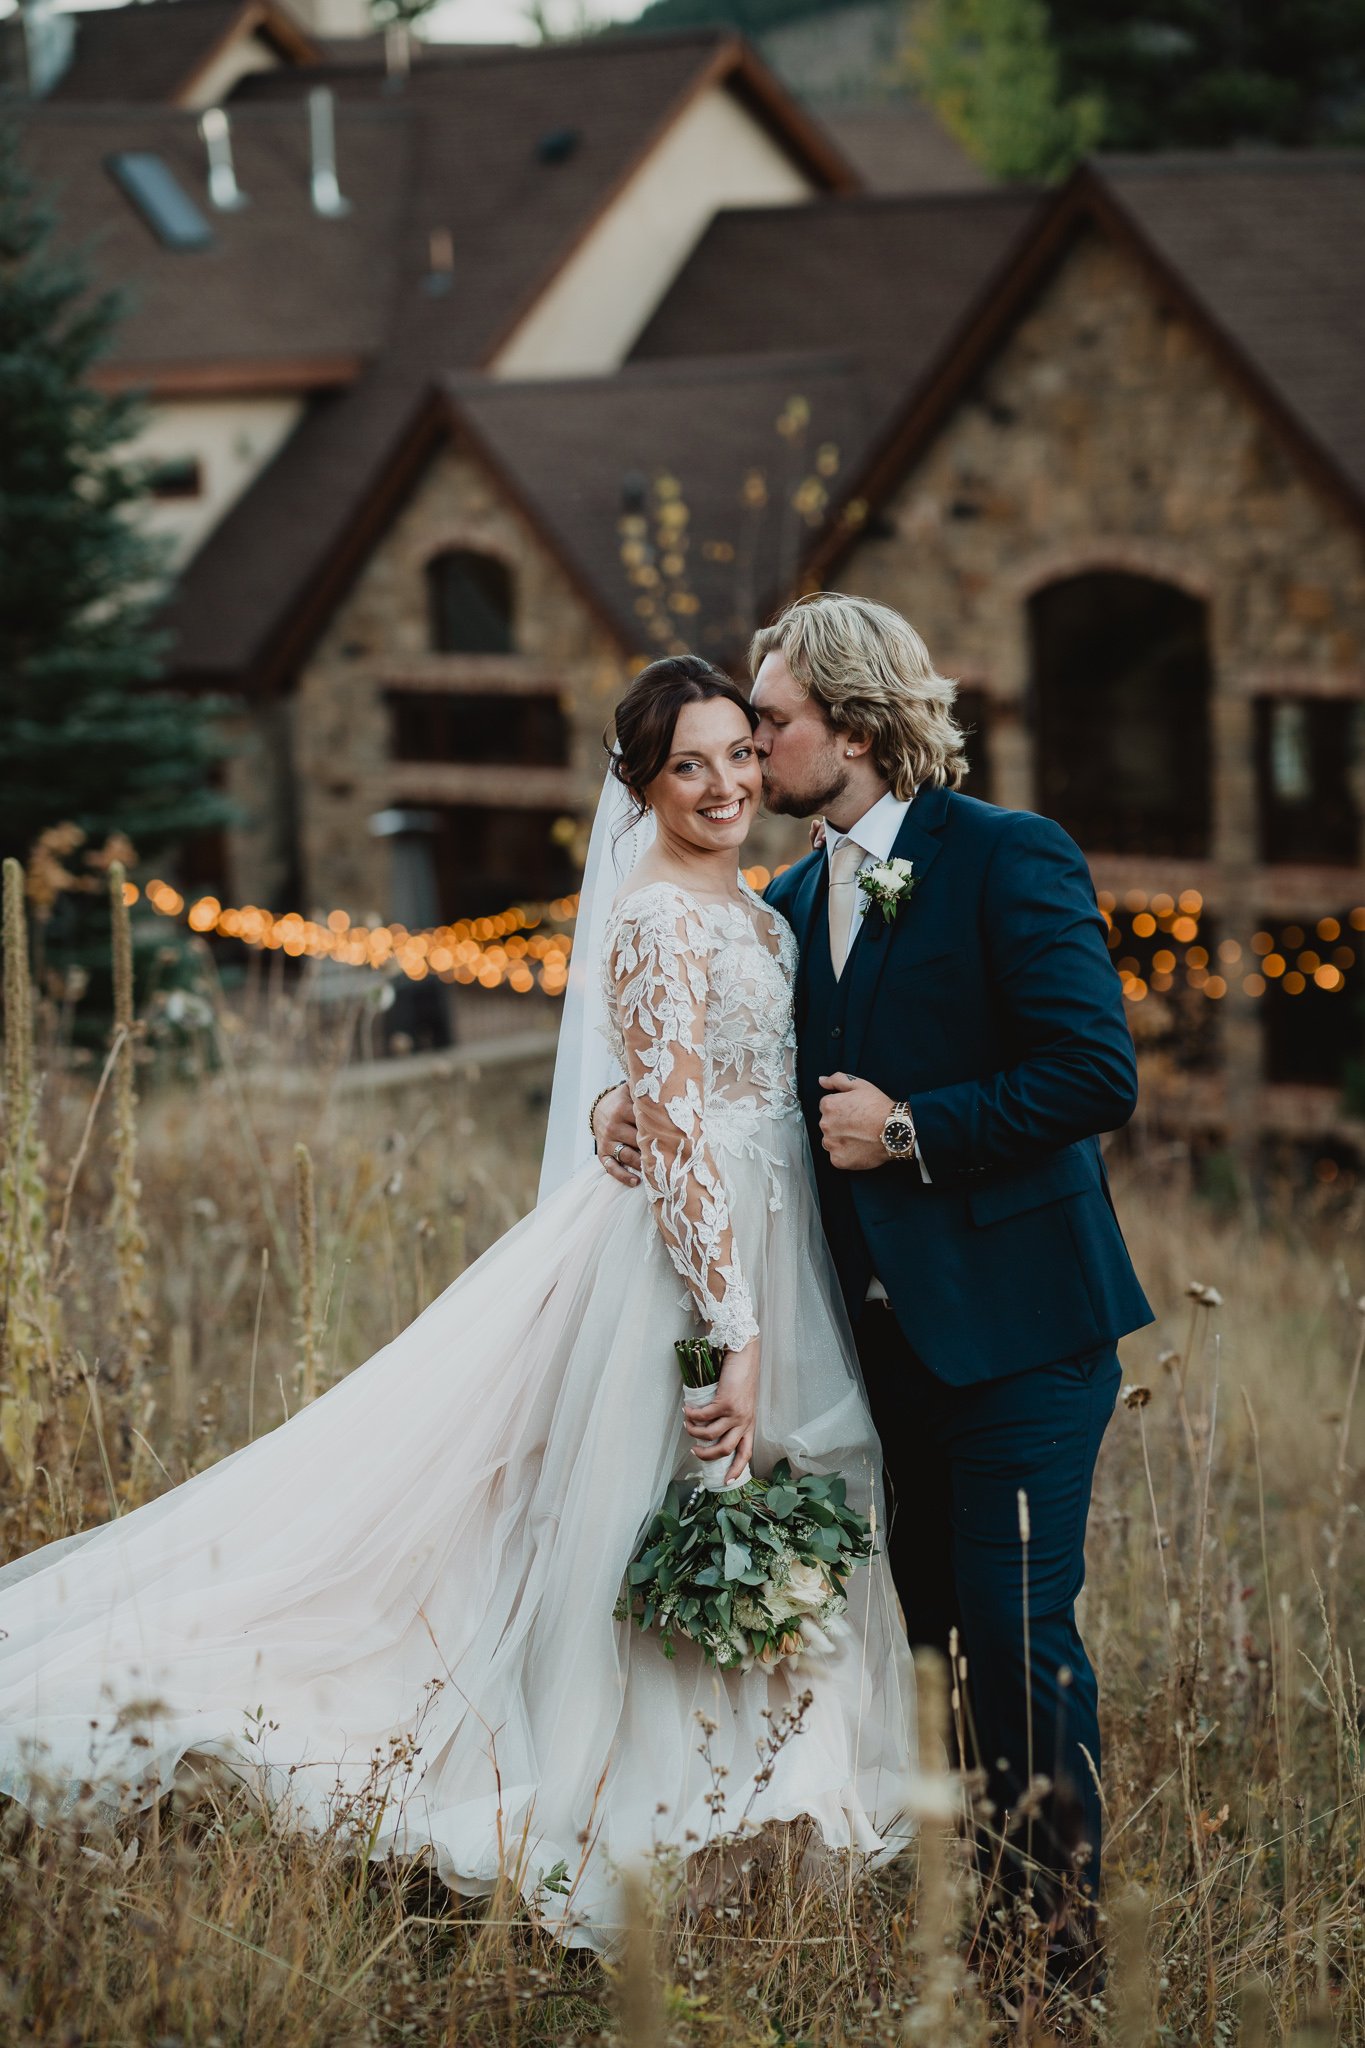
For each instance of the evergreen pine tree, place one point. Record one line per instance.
(990, 70)
(1199, 74)
(84, 740)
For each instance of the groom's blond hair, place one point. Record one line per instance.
(871, 673)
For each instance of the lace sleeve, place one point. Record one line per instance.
(659, 976)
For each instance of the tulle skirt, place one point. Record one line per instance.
(393, 1614)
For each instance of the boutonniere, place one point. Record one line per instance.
(887, 883)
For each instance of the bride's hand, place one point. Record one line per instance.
(725, 1425)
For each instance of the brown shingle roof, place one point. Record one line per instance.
(514, 219)
(152, 52)
(899, 146)
(279, 282)
(887, 278)
(483, 114)
(572, 450)
(1272, 246)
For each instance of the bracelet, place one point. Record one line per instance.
(610, 1089)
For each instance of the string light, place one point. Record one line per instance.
(1276, 959)
(512, 950)
(506, 951)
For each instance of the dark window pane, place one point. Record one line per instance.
(486, 859)
(179, 478)
(1171, 1015)
(1121, 684)
(1312, 1031)
(478, 727)
(1306, 749)
(471, 603)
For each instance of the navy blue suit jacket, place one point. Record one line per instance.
(990, 1004)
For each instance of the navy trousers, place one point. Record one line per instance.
(956, 1459)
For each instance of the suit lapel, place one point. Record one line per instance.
(808, 905)
(917, 841)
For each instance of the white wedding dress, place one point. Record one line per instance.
(430, 1553)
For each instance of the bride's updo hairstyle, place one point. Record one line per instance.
(647, 715)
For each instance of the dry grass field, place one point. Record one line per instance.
(178, 1273)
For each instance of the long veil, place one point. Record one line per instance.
(584, 1063)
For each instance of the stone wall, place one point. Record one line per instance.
(1107, 435)
(379, 636)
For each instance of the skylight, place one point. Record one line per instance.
(161, 200)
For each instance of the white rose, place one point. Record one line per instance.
(807, 1588)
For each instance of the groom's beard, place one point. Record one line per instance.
(803, 803)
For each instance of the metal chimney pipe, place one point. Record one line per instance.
(397, 50)
(327, 198)
(224, 191)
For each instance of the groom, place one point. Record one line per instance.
(961, 1041)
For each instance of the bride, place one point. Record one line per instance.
(411, 1582)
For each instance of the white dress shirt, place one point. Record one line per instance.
(876, 832)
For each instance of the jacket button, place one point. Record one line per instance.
(836, 1030)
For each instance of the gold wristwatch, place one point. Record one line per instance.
(898, 1132)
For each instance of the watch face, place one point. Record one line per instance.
(897, 1134)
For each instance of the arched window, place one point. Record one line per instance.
(1121, 684)
(470, 597)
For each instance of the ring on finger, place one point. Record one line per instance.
(616, 1151)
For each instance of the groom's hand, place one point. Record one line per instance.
(851, 1119)
(618, 1141)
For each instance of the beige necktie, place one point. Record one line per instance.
(843, 881)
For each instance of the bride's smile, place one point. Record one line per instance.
(705, 793)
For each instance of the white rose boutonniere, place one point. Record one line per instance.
(887, 883)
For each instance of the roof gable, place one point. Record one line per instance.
(567, 452)
(580, 454)
(1261, 254)
(154, 52)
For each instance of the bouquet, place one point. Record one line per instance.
(751, 1573)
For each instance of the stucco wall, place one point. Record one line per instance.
(239, 60)
(233, 439)
(714, 155)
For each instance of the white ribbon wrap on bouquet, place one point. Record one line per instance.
(712, 1470)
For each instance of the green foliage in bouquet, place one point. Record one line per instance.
(699, 1361)
(751, 1574)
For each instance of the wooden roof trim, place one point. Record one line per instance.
(280, 29)
(1084, 200)
(788, 121)
(230, 379)
(731, 60)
